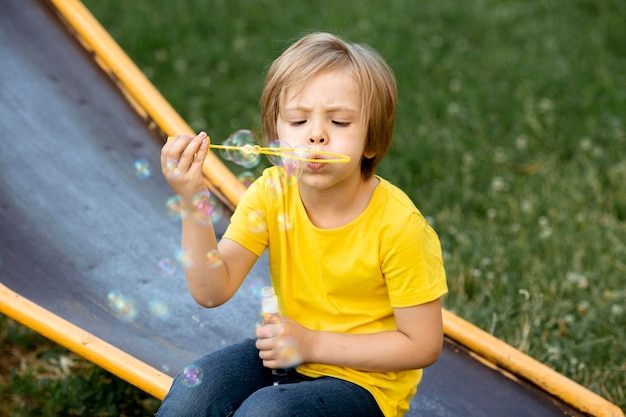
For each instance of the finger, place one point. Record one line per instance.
(200, 156)
(264, 332)
(175, 144)
(165, 150)
(272, 364)
(189, 152)
(171, 153)
(269, 361)
(267, 346)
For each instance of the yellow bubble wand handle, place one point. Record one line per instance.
(290, 153)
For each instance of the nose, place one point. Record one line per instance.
(317, 133)
(317, 140)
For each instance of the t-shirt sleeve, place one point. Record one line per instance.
(412, 263)
(248, 224)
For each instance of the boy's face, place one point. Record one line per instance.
(325, 114)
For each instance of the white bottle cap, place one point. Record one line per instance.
(269, 301)
(267, 291)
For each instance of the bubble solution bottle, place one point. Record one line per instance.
(271, 315)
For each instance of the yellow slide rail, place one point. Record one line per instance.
(521, 365)
(85, 344)
(147, 100)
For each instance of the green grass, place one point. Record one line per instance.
(510, 137)
(40, 378)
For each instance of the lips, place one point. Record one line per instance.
(315, 166)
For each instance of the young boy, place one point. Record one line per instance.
(357, 270)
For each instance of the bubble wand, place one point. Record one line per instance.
(298, 154)
(245, 142)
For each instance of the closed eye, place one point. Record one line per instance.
(341, 124)
(297, 122)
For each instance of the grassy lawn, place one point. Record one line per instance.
(510, 138)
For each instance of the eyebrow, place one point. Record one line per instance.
(334, 109)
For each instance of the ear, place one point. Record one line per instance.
(369, 155)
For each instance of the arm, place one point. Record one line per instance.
(416, 344)
(209, 284)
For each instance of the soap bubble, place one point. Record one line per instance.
(292, 171)
(167, 267)
(277, 186)
(159, 309)
(184, 257)
(256, 222)
(124, 306)
(289, 353)
(246, 178)
(191, 376)
(255, 285)
(277, 146)
(171, 168)
(198, 320)
(248, 155)
(206, 208)
(289, 159)
(176, 208)
(214, 258)
(284, 222)
(142, 168)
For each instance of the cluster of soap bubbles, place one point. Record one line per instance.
(168, 266)
(205, 208)
(247, 153)
(125, 307)
(242, 148)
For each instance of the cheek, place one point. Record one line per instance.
(282, 131)
(290, 135)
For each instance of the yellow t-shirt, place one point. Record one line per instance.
(346, 279)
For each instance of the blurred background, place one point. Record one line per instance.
(510, 138)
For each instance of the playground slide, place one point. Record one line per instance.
(88, 250)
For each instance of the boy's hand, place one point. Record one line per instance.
(278, 346)
(182, 157)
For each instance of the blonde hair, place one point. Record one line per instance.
(319, 52)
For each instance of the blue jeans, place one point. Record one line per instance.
(234, 382)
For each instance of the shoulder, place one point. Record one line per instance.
(397, 204)
(270, 181)
(395, 195)
(401, 215)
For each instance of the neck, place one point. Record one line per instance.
(333, 208)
